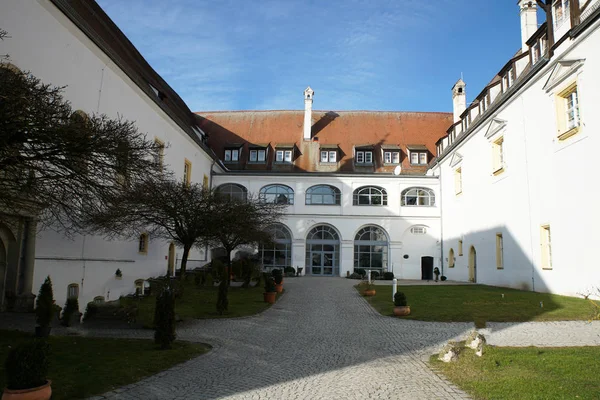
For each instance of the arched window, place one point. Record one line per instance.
(73, 291)
(143, 243)
(99, 300)
(371, 249)
(233, 191)
(323, 194)
(451, 258)
(418, 196)
(323, 251)
(370, 196)
(278, 253)
(279, 194)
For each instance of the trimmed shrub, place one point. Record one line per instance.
(90, 311)
(27, 365)
(443, 277)
(388, 276)
(269, 283)
(361, 271)
(375, 274)
(277, 276)
(355, 275)
(164, 318)
(400, 299)
(222, 301)
(71, 307)
(44, 305)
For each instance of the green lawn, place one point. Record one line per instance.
(200, 302)
(526, 373)
(481, 303)
(82, 366)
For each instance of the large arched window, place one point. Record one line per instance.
(371, 249)
(278, 253)
(233, 191)
(323, 194)
(279, 194)
(370, 196)
(323, 251)
(418, 196)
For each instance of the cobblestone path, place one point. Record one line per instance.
(320, 341)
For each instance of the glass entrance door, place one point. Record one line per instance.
(322, 259)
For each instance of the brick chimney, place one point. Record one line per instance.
(308, 100)
(459, 99)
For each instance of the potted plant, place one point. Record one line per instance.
(270, 291)
(278, 278)
(367, 289)
(400, 303)
(118, 274)
(26, 369)
(436, 271)
(44, 309)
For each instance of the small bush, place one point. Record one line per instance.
(361, 271)
(400, 299)
(288, 270)
(164, 318)
(375, 274)
(269, 283)
(388, 276)
(277, 276)
(443, 278)
(44, 305)
(91, 310)
(355, 275)
(27, 365)
(71, 307)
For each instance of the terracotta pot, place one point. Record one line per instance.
(270, 297)
(401, 311)
(369, 292)
(279, 288)
(39, 393)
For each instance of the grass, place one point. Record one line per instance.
(481, 303)
(200, 302)
(82, 366)
(526, 373)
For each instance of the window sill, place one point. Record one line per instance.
(283, 163)
(547, 268)
(143, 252)
(230, 162)
(416, 205)
(498, 171)
(458, 193)
(257, 162)
(327, 162)
(363, 164)
(329, 205)
(569, 133)
(390, 164)
(370, 205)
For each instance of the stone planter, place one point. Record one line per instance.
(279, 288)
(401, 311)
(270, 297)
(369, 293)
(39, 393)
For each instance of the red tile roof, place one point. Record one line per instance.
(343, 128)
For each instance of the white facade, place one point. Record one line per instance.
(536, 186)
(46, 43)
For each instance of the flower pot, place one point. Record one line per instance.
(279, 288)
(39, 393)
(401, 311)
(270, 297)
(369, 293)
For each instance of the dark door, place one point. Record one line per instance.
(427, 268)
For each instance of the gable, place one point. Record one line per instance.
(561, 71)
(495, 126)
(456, 159)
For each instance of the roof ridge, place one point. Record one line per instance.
(325, 111)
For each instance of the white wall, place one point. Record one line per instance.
(546, 181)
(44, 42)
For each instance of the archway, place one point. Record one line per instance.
(371, 249)
(171, 260)
(323, 251)
(278, 253)
(472, 265)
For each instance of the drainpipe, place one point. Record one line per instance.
(437, 164)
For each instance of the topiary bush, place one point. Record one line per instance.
(164, 318)
(361, 271)
(388, 276)
(269, 283)
(44, 307)
(27, 365)
(443, 277)
(400, 299)
(375, 274)
(222, 301)
(355, 275)
(90, 311)
(277, 276)
(71, 307)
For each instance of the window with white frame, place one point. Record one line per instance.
(363, 157)
(143, 243)
(418, 157)
(323, 195)
(546, 246)
(278, 194)
(458, 181)
(418, 230)
(391, 157)
(73, 291)
(418, 196)
(572, 109)
(258, 155)
(283, 156)
(232, 155)
(568, 113)
(370, 196)
(498, 156)
(328, 156)
(560, 13)
(233, 191)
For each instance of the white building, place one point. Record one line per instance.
(364, 189)
(516, 165)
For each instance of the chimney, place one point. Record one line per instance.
(459, 99)
(308, 99)
(528, 12)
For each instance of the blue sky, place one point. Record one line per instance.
(355, 54)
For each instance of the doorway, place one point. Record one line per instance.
(472, 265)
(427, 268)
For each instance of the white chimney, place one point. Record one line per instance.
(308, 99)
(528, 12)
(459, 99)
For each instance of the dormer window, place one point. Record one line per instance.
(232, 154)
(561, 13)
(329, 154)
(418, 154)
(284, 155)
(391, 154)
(258, 155)
(363, 155)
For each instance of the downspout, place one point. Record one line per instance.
(437, 164)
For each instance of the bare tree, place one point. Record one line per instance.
(60, 165)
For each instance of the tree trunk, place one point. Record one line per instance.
(229, 267)
(184, 258)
